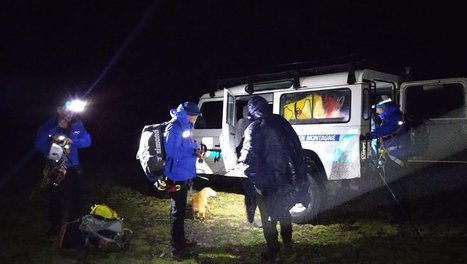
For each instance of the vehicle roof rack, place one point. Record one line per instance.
(291, 74)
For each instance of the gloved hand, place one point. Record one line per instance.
(201, 152)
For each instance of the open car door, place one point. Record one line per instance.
(227, 137)
(436, 112)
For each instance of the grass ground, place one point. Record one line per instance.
(224, 237)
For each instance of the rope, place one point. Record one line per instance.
(382, 174)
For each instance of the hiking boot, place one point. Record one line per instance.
(271, 254)
(190, 243)
(184, 253)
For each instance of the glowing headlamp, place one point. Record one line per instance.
(76, 105)
(186, 133)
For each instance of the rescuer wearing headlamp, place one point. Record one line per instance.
(180, 170)
(389, 146)
(59, 140)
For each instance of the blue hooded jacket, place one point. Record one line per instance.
(273, 157)
(389, 120)
(391, 129)
(180, 149)
(76, 132)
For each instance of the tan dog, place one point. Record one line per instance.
(199, 203)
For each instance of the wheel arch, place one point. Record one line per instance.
(316, 190)
(321, 178)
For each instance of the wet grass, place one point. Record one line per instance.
(224, 237)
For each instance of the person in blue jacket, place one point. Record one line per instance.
(180, 169)
(390, 131)
(66, 129)
(273, 160)
(389, 146)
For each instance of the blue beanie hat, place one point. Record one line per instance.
(191, 108)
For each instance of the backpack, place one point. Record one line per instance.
(151, 152)
(104, 233)
(102, 229)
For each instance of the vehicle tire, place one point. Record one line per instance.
(306, 213)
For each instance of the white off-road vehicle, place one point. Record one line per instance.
(330, 110)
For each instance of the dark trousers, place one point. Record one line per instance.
(250, 199)
(270, 223)
(67, 197)
(177, 214)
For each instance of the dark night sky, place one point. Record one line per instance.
(51, 48)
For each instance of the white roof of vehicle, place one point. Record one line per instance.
(319, 81)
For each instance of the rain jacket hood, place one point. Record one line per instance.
(258, 107)
(273, 158)
(390, 108)
(179, 114)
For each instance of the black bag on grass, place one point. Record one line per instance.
(70, 235)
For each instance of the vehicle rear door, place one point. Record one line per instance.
(227, 137)
(436, 111)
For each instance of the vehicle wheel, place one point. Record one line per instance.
(302, 214)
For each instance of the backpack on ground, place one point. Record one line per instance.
(151, 152)
(101, 228)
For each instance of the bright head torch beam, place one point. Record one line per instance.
(76, 106)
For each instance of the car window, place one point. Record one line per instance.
(325, 106)
(211, 116)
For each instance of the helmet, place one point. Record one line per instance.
(55, 152)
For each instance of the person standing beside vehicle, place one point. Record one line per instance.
(67, 131)
(180, 170)
(273, 160)
(248, 188)
(390, 131)
(389, 144)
